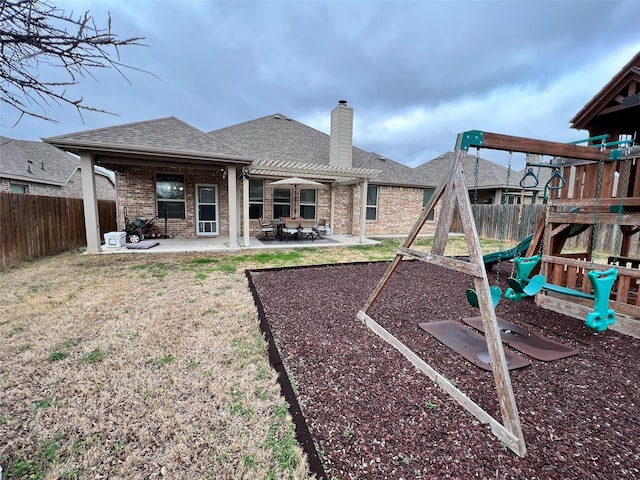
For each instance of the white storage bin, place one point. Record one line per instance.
(115, 239)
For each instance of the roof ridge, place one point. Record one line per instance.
(129, 124)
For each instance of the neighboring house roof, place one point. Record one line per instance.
(161, 138)
(490, 175)
(37, 162)
(620, 96)
(277, 140)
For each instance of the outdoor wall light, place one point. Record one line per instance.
(224, 173)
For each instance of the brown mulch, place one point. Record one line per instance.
(373, 415)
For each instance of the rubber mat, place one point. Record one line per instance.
(530, 343)
(468, 343)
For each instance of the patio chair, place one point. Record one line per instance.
(291, 227)
(307, 229)
(321, 227)
(266, 228)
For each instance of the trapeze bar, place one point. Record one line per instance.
(543, 165)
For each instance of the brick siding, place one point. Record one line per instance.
(136, 188)
(398, 207)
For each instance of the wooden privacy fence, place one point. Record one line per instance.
(520, 223)
(34, 226)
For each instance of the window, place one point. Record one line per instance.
(256, 198)
(170, 194)
(15, 188)
(427, 193)
(372, 202)
(281, 202)
(308, 203)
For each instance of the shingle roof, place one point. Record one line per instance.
(35, 162)
(490, 175)
(166, 136)
(281, 138)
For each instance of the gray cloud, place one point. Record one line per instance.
(416, 73)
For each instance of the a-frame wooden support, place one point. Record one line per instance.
(454, 194)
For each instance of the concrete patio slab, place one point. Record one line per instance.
(221, 244)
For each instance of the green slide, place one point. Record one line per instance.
(491, 259)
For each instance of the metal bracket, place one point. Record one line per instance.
(472, 138)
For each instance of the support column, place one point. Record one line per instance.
(90, 202)
(332, 210)
(245, 211)
(363, 209)
(233, 206)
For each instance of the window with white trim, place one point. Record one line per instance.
(16, 188)
(170, 195)
(308, 203)
(427, 193)
(281, 202)
(256, 198)
(372, 202)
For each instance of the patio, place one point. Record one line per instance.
(221, 244)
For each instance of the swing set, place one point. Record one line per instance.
(576, 280)
(454, 195)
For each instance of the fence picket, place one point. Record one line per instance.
(33, 226)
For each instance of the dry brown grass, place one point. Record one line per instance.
(143, 366)
(134, 367)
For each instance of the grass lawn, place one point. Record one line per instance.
(144, 366)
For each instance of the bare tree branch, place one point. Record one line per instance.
(34, 33)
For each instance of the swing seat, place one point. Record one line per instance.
(522, 286)
(518, 291)
(472, 296)
(601, 282)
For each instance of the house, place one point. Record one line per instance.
(218, 183)
(488, 182)
(280, 145)
(37, 168)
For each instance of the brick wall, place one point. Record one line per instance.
(398, 210)
(137, 192)
(398, 207)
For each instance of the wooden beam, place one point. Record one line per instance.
(446, 262)
(578, 310)
(495, 141)
(514, 442)
(589, 202)
(627, 219)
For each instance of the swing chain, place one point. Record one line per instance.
(476, 168)
(621, 193)
(596, 217)
(503, 221)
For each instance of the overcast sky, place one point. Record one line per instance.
(416, 73)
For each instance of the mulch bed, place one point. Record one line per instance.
(372, 415)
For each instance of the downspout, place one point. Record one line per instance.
(245, 210)
(233, 206)
(363, 209)
(90, 203)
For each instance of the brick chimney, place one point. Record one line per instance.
(340, 149)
